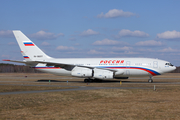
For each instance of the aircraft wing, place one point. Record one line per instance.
(61, 65)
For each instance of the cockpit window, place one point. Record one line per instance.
(169, 64)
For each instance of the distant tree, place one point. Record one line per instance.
(11, 68)
(177, 70)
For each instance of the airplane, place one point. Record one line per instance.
(92, 69)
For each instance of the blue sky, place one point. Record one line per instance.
(96, 28)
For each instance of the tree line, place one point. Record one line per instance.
(11, 68)
(177, 70)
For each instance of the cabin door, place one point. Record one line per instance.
(128, 63)
(155, 64)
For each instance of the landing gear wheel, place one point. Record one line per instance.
(85, 80)
(91, 80)
(150, 81)
(88, 80)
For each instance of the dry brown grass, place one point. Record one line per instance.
(95, 104)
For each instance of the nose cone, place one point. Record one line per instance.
(169, 69)
(174, 67)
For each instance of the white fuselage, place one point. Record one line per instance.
(127, 66)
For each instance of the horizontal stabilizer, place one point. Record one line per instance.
(16, 61)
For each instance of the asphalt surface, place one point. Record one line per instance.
(74, 88)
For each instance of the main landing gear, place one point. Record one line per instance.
(88, 80)
(150, 80)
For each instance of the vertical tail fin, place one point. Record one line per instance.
(29, 50)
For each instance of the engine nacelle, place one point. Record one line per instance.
(103, 74)
(81, 72)
(119, 73)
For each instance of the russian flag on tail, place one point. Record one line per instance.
(28, 44)
(26, 57)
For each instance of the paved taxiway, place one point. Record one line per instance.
(70, 89)
(75, 84)
(76, 88)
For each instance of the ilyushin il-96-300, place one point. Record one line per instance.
(89, 68)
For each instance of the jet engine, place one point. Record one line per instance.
(95, 73)
(103, 74)
(119, 73)
(81, 72)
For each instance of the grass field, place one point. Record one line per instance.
(106, 104)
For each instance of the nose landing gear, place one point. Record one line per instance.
(150, 80)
